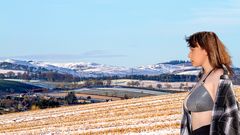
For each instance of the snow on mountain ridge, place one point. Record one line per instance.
(37, 65)
(88, 69)
(19, 62)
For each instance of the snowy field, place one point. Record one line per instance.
(147, 83)
(148, 115)
(135, 90)
(155, 115)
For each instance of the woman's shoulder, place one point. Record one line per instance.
(218, 72)
(214, 77)
(212, 81)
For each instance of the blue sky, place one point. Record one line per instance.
(113, 32)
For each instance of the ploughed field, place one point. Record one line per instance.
(154, 114)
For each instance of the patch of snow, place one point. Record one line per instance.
(4, 71)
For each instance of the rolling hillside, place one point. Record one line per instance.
(15, 87)
(154, 115)
(88, 69)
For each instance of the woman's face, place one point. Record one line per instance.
(197, 56)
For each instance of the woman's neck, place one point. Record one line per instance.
(207, 68)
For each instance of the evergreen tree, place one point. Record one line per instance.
(71, 98)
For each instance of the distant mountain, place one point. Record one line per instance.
(87, 69)
(33, 66)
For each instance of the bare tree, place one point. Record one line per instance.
(159, 86)
(137, 83)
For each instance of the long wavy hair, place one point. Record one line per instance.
(217, 52)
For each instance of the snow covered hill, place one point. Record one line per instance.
(87, 69)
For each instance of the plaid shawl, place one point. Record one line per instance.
(225, 114)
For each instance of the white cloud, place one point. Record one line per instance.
(216, 20)
(93, 54)
(226, 14)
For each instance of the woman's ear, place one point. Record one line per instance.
(205, 52)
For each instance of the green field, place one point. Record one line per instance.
(15, 87)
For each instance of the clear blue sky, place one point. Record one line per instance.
(113, 32)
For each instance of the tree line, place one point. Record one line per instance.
(60, 77)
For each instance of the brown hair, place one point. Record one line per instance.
(217, 52)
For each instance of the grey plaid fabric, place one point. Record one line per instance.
(225, 115)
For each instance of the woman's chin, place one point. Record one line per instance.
(194, 64)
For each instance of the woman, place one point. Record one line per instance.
(211, 107)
